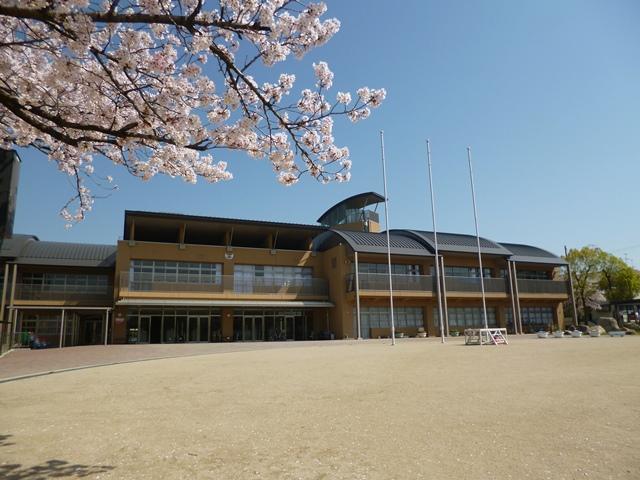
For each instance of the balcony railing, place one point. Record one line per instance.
(281, 286)
(80, 293)
(230, 284)
(380, 281)
(472, 284)
(543, 286)
(421, 283)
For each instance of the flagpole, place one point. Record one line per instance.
(386, 217)
(475, 216)
(435, 240)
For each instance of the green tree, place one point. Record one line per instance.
(587, 265)
(619, 281)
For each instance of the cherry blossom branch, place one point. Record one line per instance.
(188, 21)
(129, 81)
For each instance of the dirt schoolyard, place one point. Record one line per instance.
(535, 409)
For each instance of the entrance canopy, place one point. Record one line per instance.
(222, 303)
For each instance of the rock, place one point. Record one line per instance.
(608, 323)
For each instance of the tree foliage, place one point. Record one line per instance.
(600, 276)
(586, 265)
(166, 86)
(619, 281)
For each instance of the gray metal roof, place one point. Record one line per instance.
(10, 248)
(367, 242)
(530, 254)
(360, 200)
(67, 254)
(222, 220)
(456, 242)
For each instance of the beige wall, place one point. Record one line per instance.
(332, 265)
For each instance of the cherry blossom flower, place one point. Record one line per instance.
(155, 87)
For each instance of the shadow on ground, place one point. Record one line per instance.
(48, 469)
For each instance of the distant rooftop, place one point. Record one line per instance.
(355, 202)
(457, 243)
(530, 254)
(367, 242)
(28, 250)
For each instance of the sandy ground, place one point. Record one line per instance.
(536, 409)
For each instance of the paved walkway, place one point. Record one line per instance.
(25, 362)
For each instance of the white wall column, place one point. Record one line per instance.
(106, 326)
(444, 297)
(359, 325)
(512, 291)
(61, 329)
(515, 283)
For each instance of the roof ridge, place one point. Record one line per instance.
(223, 219)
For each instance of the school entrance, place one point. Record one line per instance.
(272, 325)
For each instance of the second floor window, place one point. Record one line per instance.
(175, 272)
(471, 272)
(534, 275)
(66, 281)
(265, 278)
(274, 272)
(396, 268)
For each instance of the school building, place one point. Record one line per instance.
(184, 278)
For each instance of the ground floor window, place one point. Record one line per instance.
(467, 317)
(533, 318)
(536, 318)
(173, 325)
(273, 325)
(380, 317)
(205, 325)
(43, 327)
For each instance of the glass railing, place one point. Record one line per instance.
(380, 281)
(281, 286)
(230, 284)
(25, 291)
(418, 283)
(543, 286)
(472, 284)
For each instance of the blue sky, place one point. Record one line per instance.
(547, 93)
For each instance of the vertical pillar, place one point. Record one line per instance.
(515, 283)
(3, 329)
(75, 328)
(13, 315)
(226, 321)
(114, 335)
(359, 325)
(573, 298)
(61, 329)
(512, 294)
(106, 326)
(560, 316)
(444, 297)
(432, 325)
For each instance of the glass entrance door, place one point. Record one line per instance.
(285, 328)
(258, 328)
(145, 328)
(252, 328)
(198, 329)
(249, 328)
(290, 327)
(91, 330)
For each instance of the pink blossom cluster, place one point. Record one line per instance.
(155, 86)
